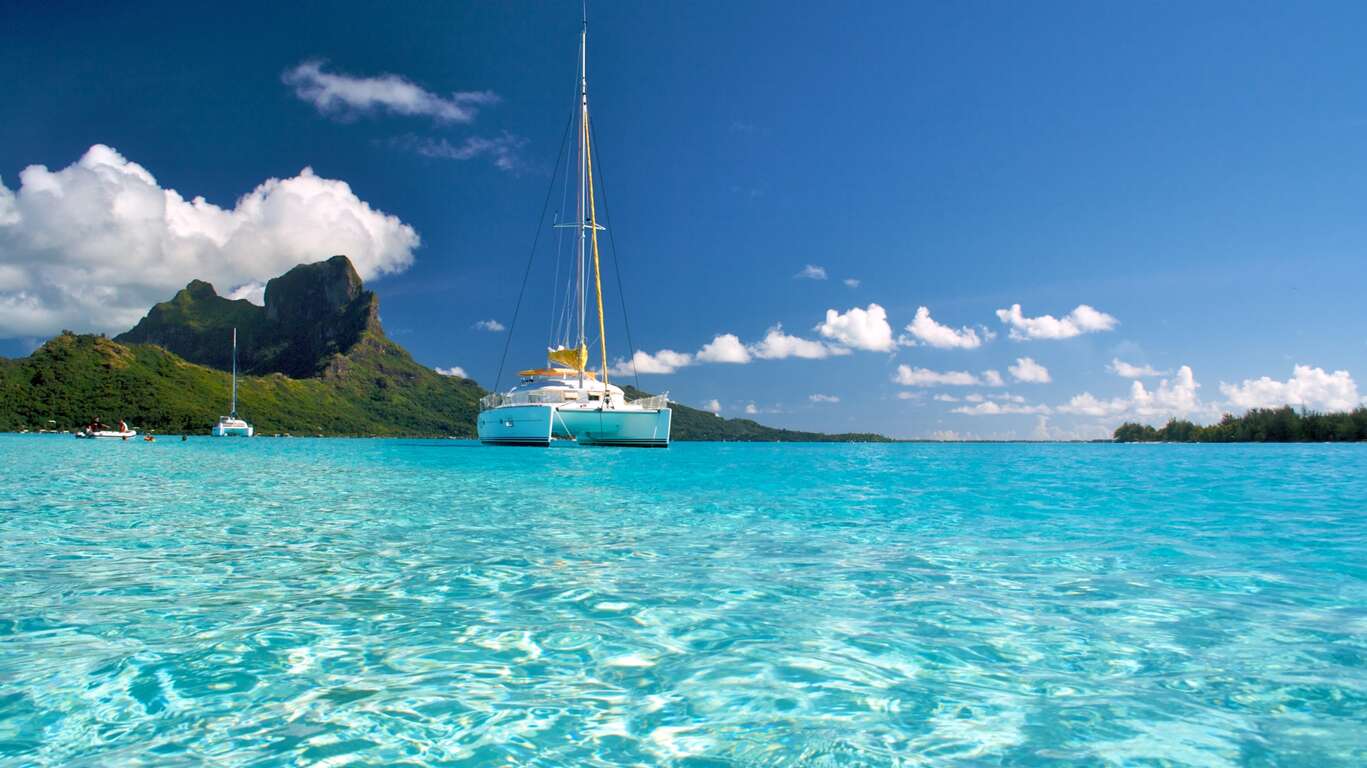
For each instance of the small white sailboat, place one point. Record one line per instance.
(564, 400)
(231, 425)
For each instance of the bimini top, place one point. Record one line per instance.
(559, 373)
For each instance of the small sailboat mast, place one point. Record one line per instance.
(231, 425)
(233, 411)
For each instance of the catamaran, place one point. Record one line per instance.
(564, 400)
(231, 425)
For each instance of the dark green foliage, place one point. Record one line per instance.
(374, 389)
(694, 424)
(1259, 425)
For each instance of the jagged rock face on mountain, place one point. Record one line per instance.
(319, 310)
(313, 313)
(197, 324)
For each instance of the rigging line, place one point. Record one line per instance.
(517, 308)
(561, 330)
(616, 260)
(550, 335)
(562, 327)
(558, 329)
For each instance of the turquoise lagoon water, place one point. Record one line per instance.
(333, 602)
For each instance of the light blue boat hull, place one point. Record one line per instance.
(644, 429)
(537, 425)
(516, 425)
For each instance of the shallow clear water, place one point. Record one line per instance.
(320, 602)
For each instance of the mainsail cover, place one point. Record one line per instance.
(577, 359)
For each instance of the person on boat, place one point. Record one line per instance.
(123, 427)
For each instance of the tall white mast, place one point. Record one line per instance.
(233, 412)
(583, 179)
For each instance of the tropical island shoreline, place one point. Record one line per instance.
(317, 363)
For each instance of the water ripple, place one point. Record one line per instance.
(326, 603)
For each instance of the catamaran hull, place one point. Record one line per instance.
(539, 424)
(639, 429)
(222, 431)
(517, 425)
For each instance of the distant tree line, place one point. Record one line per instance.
(1259, 425)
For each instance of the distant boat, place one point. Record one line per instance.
(564, 400)
(96, 429)
(231, 425)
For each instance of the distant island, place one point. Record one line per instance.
(314, 361)
(1259, 425)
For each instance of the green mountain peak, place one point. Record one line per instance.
(312, 313)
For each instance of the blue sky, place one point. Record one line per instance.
(1194, 173)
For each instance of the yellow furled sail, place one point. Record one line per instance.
(578, 359)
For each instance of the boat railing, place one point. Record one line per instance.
(654, 402)
(496, 399)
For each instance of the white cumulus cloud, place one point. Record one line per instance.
(1087, 404)
(865, 329)
(724, 348)
(930, 332)
(908, 376)
(811, 272)
(454, 370)
(1308, 387)
(750, 409)
(778, 345)
(1126, 370)
(1083, 319)
(852, 282)
(1175, 397)
(664, 361)
(1028, 371)
(712, 406)
(342, 95)
(493, 326)
(993, 408)
(728, 348)
(819, 398)
(253, 292)
(93, 245)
